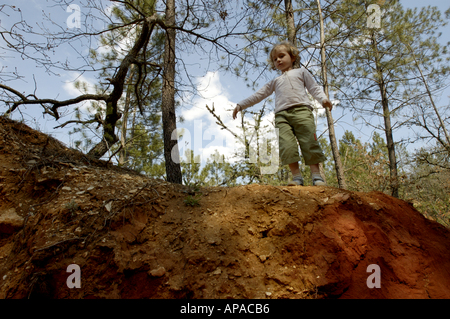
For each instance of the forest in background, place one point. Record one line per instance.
(389, 75)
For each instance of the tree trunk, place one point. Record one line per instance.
(109, 136)
(390, 144)
(291, 32)
(123, 137)
(171, 152)
(112, 114)
(99, 149)
(332, 135)
(387, 122)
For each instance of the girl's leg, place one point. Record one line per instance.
(297, 178)
(314, 169)
(295, 169)
(315, 175)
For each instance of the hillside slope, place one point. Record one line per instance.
(135, 237)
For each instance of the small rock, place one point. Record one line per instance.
(268, 293)
(217, 271)
(375, 206)
(157, 272)
(341, 197)
(108, 206)
(309, 227)
(66, 188)
(10, 221)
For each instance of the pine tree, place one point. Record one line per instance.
(374, 70)
(428, 183)
(366, 165)
(140, 120)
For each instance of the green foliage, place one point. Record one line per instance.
(428, 184)
(218, 172)
(366, 166)
(72, 207)
(145, 151)
(192, 201)
(190, 168)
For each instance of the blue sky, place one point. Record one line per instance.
(220, 89)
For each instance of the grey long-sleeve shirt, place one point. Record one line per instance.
(289, 90)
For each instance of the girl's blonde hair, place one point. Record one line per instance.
(291, 49)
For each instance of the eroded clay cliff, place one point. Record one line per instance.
(135, 237)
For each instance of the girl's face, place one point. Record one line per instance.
(282, 59)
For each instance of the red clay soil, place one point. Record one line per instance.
(135, 237)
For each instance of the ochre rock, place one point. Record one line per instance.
(254, 241)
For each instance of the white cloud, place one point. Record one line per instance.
(86, 86)
(212, 94)
(205, 135)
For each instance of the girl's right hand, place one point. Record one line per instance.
(235, 111)
(327, 103)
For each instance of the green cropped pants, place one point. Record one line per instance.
(297, 124)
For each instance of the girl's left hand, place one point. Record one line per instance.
(327, 103)
(236, 110)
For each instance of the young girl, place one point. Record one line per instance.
(293, 112)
